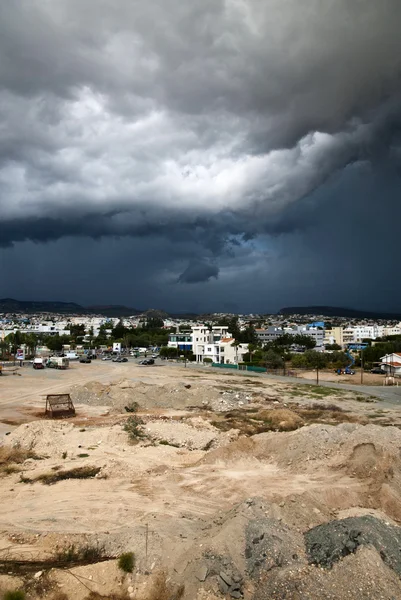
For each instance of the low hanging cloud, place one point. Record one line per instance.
(199, 271)
(141, 119)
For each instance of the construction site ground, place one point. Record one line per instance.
(228, 486)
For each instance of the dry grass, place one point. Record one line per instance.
(11, 457)
(282, 419)
(249, 422)
(96, 596)
(163, 589)
(59, 475)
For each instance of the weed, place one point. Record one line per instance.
(126, 562)
(82, 430)
(331, 407)
(54, 477)
(133, 427)
(83, 455)
(14, 595)
(132, 407)
(64, 455)
(79, 554)
(10, 469)
(365, 399)
(10, 457)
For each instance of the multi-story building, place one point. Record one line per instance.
(182, 341)
(333, 336)
(204, 341)
(268, 335)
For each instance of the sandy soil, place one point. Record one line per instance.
(187, 497)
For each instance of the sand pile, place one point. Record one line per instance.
(52, 438)
(195, 434)
(316, 444)
(178, 395)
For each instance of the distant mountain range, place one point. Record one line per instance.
(336, 311)
(9, 305)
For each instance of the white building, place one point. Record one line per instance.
(217, 344)
(391, 363)
(230, 353)
(205, 341)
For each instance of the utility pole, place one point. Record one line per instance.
(317, 375)
(361, 366)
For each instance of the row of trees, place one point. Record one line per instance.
(150, 334)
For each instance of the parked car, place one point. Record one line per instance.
(147, 361)
(378, 371)
(106, 358)
(85, 359)
(120, 359)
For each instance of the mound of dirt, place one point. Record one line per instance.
(178, 434)
(328, 543)
(302, 449)
(52, 438)
(179, 395)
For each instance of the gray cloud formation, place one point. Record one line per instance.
(119, 117)
(198, 271)
(208, 123)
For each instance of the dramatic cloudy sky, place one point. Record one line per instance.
(201, 155)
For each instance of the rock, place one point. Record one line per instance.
(226, 578)
(38, 575)
(235, 594)
(223, 587)
(130, 589)
(202, 573)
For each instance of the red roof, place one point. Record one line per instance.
(392, 364)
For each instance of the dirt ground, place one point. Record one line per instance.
(368, 378)
(216, 482)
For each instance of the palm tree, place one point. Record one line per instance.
(235, 344)
(251, 349)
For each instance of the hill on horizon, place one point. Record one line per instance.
(337, 311)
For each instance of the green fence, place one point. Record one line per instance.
(242, 367)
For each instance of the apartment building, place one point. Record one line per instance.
(182, 341)
(268, 335)
(205, 341)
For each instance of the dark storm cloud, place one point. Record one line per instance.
(195, 110)
(214, 124)
(198, 271)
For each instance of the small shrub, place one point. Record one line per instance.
(64, 455)
(133, 428)
(126, 562)
(83, 455)
(132, 407)
(14, 595)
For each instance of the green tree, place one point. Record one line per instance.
(273, 360)
(119, 331)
